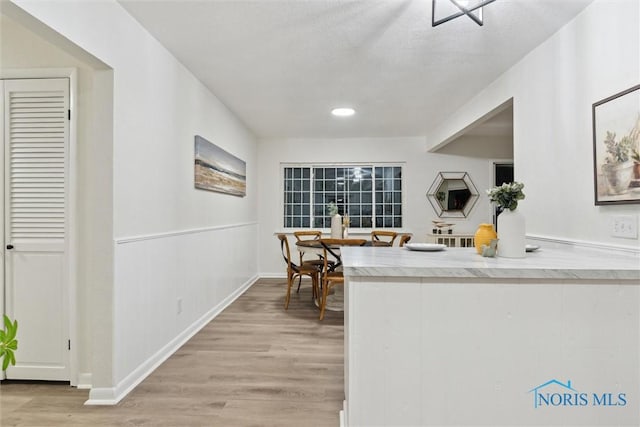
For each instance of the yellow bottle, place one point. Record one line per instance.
(484, 234)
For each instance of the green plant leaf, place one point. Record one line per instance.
(12, 330)
(8, 342)
(9, 325)
(5, 362)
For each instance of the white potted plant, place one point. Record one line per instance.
(511, 223)
(618, 165)
(336, 221)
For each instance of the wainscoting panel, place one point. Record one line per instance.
(167, 287)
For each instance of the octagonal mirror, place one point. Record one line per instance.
(452, 194)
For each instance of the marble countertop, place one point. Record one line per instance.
(546, 263)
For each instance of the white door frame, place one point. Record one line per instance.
(70, 242)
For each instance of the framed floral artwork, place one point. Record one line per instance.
(616, 148)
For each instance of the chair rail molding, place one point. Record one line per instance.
(583, 243)
(142, 237)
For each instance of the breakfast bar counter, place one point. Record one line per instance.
(454, 338)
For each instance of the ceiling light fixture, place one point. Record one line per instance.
(343, 112)
(471, 8)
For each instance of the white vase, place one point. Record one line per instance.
(336, 226)
(618, 176)
(511, 232)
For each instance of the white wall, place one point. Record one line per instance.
(594, 56)
(420, 170)
(485, 147)
(168, 287)
(158, 107)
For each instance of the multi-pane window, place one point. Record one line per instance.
(371, 195)
(388, 186)
(297, 197)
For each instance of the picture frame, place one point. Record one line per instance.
(217, 170)
(616, 148)
(452, 194)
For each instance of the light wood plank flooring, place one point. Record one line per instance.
(254, 365)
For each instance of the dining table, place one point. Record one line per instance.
(335, 301)
(315, 247)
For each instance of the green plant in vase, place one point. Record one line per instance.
(332, 208)
(618, 163)
(511, 223)
(507, 195)
(617, 151)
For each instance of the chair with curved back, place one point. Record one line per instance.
(330, 277)
(383, 237)
(294, 270)
(404, 238)
(309, 235)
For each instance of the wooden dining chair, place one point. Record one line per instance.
(308, 235)
(330, 277)
(404, 238)
(383, 237)
(317, 262)
(297, 271)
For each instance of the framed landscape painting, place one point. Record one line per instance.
(217, 170)
(616, 148)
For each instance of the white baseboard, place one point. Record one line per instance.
(105, 396)
(584, 244)
(273, 275)
(343, 414)
(113, 395)
(84, 381)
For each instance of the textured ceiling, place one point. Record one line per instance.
(282, 65)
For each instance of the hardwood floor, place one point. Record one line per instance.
(254, 365)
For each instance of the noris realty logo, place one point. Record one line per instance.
(556, 393)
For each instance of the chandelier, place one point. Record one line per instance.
(470, 8)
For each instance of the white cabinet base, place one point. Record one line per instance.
(468, 351)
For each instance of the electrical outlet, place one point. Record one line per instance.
(625, 226)
(179, 305)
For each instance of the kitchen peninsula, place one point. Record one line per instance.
(452, 338)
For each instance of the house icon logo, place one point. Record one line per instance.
(563, 390)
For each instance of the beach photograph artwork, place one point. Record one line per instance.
(217, 170)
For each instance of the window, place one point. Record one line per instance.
(370, 194)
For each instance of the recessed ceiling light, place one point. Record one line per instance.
(343, 112)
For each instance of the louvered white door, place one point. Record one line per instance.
(36, 138)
